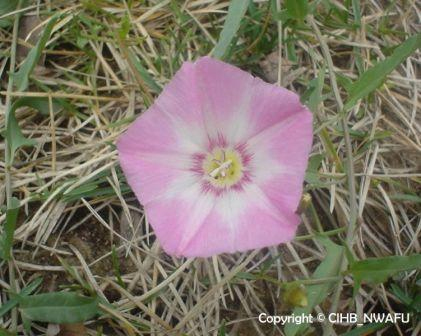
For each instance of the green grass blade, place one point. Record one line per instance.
(21, 78)
(374, 77)
(236, 12)
(150, 82)
(116, 267)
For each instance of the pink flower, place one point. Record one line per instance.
(218, 161)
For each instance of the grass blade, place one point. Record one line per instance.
(150, 82)
(374, 77)
(236, 12)
(21, 78)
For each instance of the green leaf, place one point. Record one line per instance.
(14, 136)
(21, 78)
(406, 198)
(356, 9)
(314, 163)
(400, 294)
(297, 9)
(58, 307)
(312, 176)
(222, 329)
(416, 303)
(74, 273)
(329, 267)
(81, 191)
(377, 270)
(246, 276)
(236, 11)
(5, 8)
(26, 325)
(314, 91)
(4, 332)
(116, 266)
(93, 191)
(344, 81)
(124, 29)
(7, 306)
(13, 132)
(6, 239)
(40, 104)
(291, 52)
(374, 77)
(144, 73)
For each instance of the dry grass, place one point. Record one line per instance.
(64, 217)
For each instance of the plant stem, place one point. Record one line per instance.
(279, 24)
(8, 158)
(8, 179)
(349, 161)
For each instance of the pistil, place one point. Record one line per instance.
(221, 170)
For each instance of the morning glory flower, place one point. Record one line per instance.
(218, 161)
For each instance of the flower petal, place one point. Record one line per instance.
(194, 224)
(177, 218)
(269, 105)
(181, 104)
(241, 221)
(280, 159)
(237, 104)
(224, 91)
(152, 154)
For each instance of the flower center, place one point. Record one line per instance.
(223, 167)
